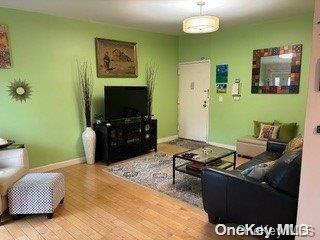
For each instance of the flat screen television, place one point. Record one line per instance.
(125, 102)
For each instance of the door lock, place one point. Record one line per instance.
(204, 104)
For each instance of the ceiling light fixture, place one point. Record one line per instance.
(201, 23)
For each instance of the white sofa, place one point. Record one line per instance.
(13, 165)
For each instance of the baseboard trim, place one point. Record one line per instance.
(54, 166)
(222, 145)
(167, 139)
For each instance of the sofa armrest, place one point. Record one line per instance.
(275, 145)
(232, 196)
(14, 158)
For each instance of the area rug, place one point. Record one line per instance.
(155, 171)
(189, 144)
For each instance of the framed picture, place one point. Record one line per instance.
(116, 58)
(276, 70)
(5, 58)
(222, 78)
(221, 87)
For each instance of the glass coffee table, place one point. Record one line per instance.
(210, 155)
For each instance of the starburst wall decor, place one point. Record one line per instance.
(20, 90)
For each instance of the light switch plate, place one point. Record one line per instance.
(220, 99)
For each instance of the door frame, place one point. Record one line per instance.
(209, 94)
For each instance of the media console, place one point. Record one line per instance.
(121, 140)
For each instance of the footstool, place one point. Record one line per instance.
(36, 193)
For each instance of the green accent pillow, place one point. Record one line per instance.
(257, 127)
(287, 132)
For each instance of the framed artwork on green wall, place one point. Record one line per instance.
(222, 78)
(5, 58)
(116, 59)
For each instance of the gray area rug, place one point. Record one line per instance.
(155, 171)
(189, 144)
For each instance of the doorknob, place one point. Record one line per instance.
(204, 104)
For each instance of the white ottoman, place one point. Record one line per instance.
(36, 193)
(250, 146)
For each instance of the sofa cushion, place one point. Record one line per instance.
(287, 131)
(259, 171)
(253, 140)
(257, 127)
(284, 175)
(294, 144)
(268, 131)
(9, 176)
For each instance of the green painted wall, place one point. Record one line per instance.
(44, 51)
(231, 119)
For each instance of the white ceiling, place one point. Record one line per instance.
(164, 16)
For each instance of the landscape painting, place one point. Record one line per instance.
(5, 59)
(116, 58)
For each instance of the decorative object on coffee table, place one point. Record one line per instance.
(5, 143)
(116, 58)
(86, 92)
(193, 166)
(36, 193)
(5, 58)
(20, 90)
(151, 75)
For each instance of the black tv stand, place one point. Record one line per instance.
(125, 138)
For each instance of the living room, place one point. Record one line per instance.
(55, 56)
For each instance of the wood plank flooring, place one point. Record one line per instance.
(99, 205)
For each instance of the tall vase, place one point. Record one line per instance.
(89, 144)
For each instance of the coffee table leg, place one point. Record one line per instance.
(173, 171)
(234, 160)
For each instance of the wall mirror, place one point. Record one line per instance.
(277, 70)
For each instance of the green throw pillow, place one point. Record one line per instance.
(287, 132)
(257, 127)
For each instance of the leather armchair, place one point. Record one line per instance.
(13, 165)
(231, 196)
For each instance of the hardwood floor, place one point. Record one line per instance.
(99, 205)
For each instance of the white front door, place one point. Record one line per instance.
(193, 103)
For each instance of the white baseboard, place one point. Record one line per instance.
(167, 139)
(222, 145)
(58, 165)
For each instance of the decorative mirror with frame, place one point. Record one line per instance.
(277, 70)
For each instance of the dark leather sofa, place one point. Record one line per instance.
(230, 196)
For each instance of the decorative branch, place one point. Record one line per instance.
(151, 74)
(85, 81)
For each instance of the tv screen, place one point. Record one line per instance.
(125, 102)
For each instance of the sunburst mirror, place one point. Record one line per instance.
(20, 90)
